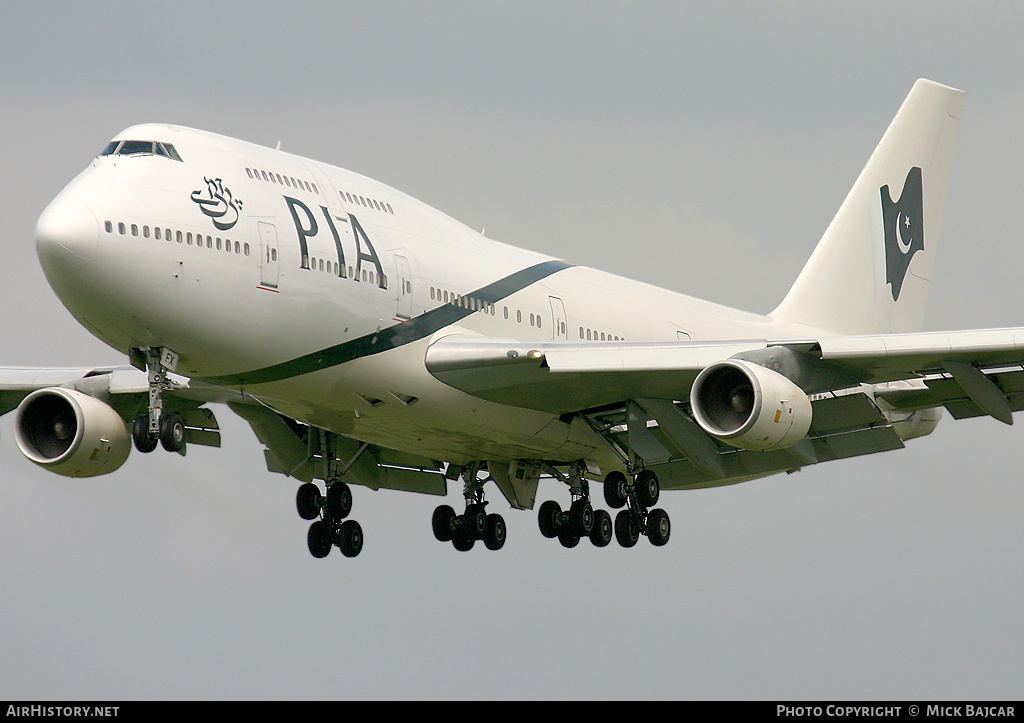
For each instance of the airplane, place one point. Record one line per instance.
(369, 339)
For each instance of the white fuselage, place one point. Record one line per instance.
(263, 271)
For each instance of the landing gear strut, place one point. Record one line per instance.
(474, 524)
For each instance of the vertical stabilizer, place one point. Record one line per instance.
(871, 270)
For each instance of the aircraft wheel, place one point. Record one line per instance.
(462, 542)
(307, 501)
(339, 500)
(496, 533)
(626, 531)
(647, 488)
(547, 518)
(581, 518)
(442, 521)
(172, 432)
(568, 538)
(658, 527)
(474, 522)
(318, 540)
(350, 538)
(615, 490)
(602, 532)
(140, 434)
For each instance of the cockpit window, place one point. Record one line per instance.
(169, 150)
(134, 148)
(139, 148)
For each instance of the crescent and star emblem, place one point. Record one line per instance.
(904, 247)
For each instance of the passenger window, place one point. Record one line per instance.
(108, 226)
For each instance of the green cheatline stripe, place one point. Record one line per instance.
(394, 336)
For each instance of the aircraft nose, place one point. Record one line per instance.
(67, 234)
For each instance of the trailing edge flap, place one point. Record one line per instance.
(563, 377)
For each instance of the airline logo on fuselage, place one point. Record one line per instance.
(903, 226)
(306, 227)
(217, 202)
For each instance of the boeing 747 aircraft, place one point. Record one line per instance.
(369, 339)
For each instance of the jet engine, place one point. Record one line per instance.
(749, 406)
(71, 433)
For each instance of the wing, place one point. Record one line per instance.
(863, 391)
(289, 448)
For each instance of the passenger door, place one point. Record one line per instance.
(269, 256)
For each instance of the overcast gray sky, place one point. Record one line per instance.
(699, 146)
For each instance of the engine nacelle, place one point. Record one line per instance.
(71, 433)
(749, 406)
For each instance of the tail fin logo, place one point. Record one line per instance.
(903, 222)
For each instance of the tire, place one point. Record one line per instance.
(568, 538)
(307, 501)
(474, 522)
(350, 538)
(547, 518)
(496, 533)
(658, 527)
(339, 501)
(172, 432)
(615, 490)
(140, 434)
(648, 490)
(442, 523)
(626, 531)
(318, 540)
(603, 531)
(581, 518)
(461, 542)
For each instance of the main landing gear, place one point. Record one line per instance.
(636, 518)
(329, 511)
(633, 499)
(580, 520)
(330, 527)
(474, 524)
